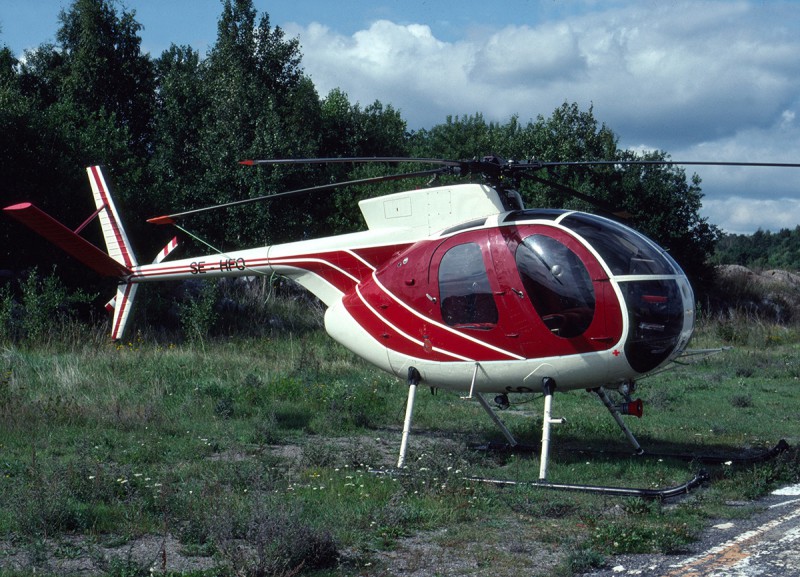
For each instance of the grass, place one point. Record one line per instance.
(254, 457)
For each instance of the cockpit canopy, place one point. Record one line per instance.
(655, 291)
(623, 250)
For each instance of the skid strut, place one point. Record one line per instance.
(503, 429)
(549, 386)
(601, 392)
(413, 380)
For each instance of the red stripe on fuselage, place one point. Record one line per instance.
(342, 269)
(412, 333)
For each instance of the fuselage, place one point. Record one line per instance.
(495, 302)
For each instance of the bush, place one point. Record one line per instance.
(44, 311)
(197, 311)
(280, 543)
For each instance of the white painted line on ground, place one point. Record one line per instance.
(790, 490)
(784, 503)
(735, 552)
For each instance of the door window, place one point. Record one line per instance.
(557, 283)
(464, 291)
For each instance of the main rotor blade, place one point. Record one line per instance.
(495, 162)
(356, 159)
(170, 218)
(536, 165)
(599, 203)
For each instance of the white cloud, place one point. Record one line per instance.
(701, 80)
(763, 197)
(521, 56)
(403, 65)
(739, 215)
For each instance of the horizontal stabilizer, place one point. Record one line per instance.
(73, 244)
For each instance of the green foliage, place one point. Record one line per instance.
(760, 251)
(283, 544)
(45, 310)
(639, 536)
(255, 456)
(197, 310)
(98, 48)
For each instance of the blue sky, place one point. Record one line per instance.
(701, 80)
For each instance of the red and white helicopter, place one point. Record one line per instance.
(456, 287)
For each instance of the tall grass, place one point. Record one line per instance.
(255, 453)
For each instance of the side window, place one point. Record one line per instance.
(558, 285)
(465, 294)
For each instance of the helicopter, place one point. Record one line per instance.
(457, 287)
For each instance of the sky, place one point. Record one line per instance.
(701, 80)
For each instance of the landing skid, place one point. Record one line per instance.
(632, 407)
(667, 493)
(549, 388)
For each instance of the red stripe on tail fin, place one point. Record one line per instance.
(122, 309)
(119, 248)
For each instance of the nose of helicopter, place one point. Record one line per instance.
(661, 320)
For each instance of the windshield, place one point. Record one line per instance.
(624, 251)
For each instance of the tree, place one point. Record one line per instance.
(250, 76)
(348, 130)
(458, 138)
(180, 104)
(104, 70)
(84, 101)
(762, 249)
(665, 206)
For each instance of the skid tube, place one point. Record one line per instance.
(653, 494)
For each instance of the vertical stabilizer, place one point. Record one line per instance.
(120, 306)
(119, 248)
